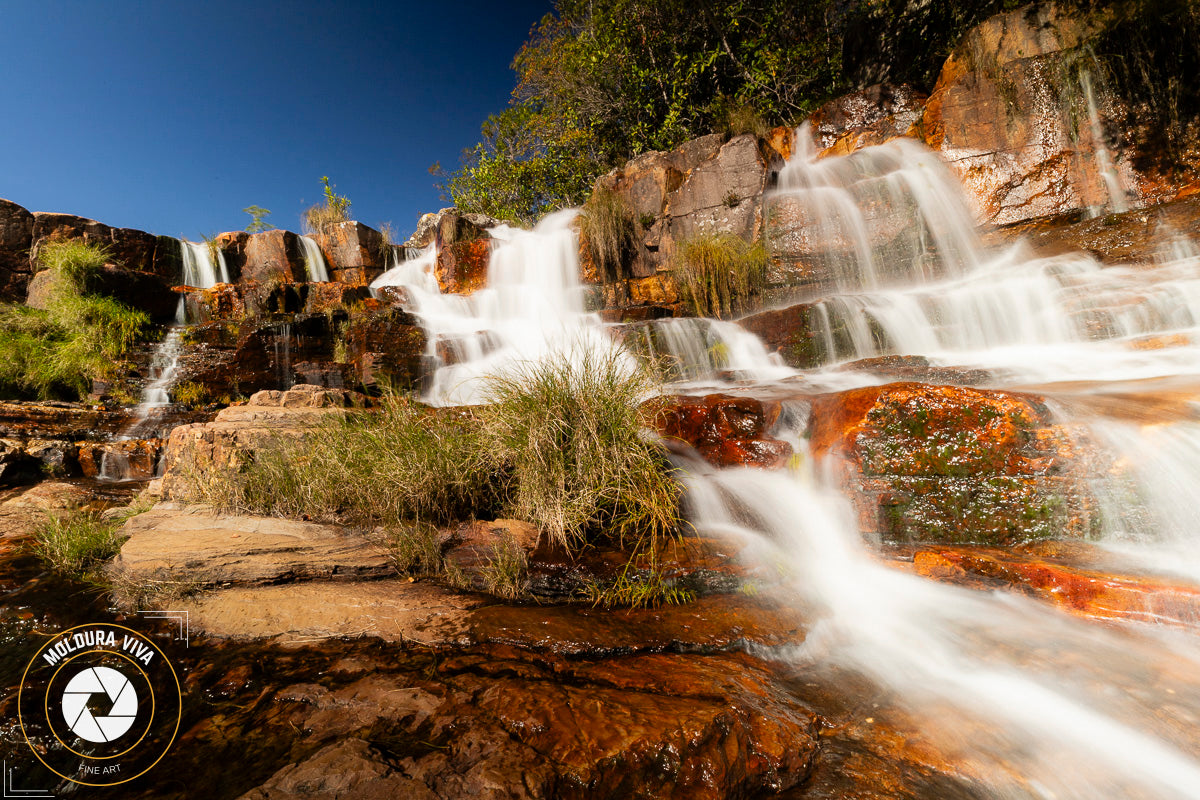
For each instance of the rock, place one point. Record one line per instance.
(59, 421)
(323, 298)
(274, 257)
(395, 610)
(16, 238)
(387, 342)
(193, 544)
(307, 396)
(51, 496)
(464, 250)
(867, 117)
(140, 290)
(473, 546)
(128, 459)
(725, 430)
(16, 466)
(1051, 572)
(233, 245)
(955, 465)
(350, 768)
(355, 254)
(430, 225)
(133, 249)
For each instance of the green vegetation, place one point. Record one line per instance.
(81, 336)
(600, 81)
(646, 588)
(561, 446)
(721, 274)
(335, 209)
(612, 233)
(190, 393)
(258, 219)
(570, 430)
(77, 543)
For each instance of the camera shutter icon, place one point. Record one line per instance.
(80, 719)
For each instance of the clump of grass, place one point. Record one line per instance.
(78, 542)
(506, 574)
(721, 274)
(632, 588)
(735, 117)
(75, 262)
(80, 336)
(416, 548)
(400, 464)
(612, 232)
(335, 209)
(570, 429)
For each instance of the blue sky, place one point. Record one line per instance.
(171, 117)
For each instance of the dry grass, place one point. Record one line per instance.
(721, 274)
(613, 234)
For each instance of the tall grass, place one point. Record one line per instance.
(612, 233)
(720, 275)
(80, 336)
(77, 543)
(570, 429)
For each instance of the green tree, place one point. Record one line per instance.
(258, 219)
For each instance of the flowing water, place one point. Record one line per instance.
(314, 261)
(200, 270)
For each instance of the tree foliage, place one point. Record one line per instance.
(602, 80)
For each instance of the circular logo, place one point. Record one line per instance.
(99, 704)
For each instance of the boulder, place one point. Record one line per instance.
(955, 465)
(16, 239)
(133, 249)
(141, 290)
(355, 253)
(726, 430)
(387, 342)
(273, 257)
(464, 251)
(197, 546)
(867, 117)
(233, 245)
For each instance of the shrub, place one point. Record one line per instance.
(77, 543)
(734, 117)
(612, 233)
(570, 429)
(335, 209)
(721, 274)
(75, 262)
(258, 218)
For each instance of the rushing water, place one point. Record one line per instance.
(1022, 699)
(199, 268)
(314, 261)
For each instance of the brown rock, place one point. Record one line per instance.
(233, 245)
(194, 544)
(726, 430)
(349, 768)
(130, 459)
(16, 238)
(866, 117)
(274, 257)
(140, 290)
(955, 465)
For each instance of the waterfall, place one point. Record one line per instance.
(1118, 201)
(314, 261)
(959, 661)
(164, 369)
(282, 346)
(199, 270)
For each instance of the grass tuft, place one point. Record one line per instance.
(721, 274)
(613, 234)
(570, 428)
(77, 543)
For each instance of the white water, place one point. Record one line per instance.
(1118, 200)
(314, 261)
(199, 270)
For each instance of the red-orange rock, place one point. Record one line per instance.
(355, 253)
(16, 237)
(726, 430)
(274, 257)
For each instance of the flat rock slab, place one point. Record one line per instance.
(395, 610)
(198, 546)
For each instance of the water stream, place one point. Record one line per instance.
(314, 261)
(1023, 699)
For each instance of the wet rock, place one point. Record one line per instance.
(349, 768)
(1060, 573)
(130, 459)
(725, 430)
(196, 545)
(464, 251)
(233, 247)
(474, 546)
(59, 420)
(387, 342)
(274, 257)
(947, 464)
(16, 466)
(323, 298)
(794, 332)
(16, 237)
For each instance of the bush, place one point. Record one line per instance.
(335, 209)
(81, 336)
(612, 233)
(77, 543)
(721, 274)
(570, 429)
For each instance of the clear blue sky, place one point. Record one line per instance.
(173, 116)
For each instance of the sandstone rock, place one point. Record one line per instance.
(16, 466)
(387, 342)
(323, 298)
(132, 249)
(63, 421)
(474, 545)
(394, 610)
(233, 245)
(274, 257)
(866, 117)
(955, 465)
(355, 253)
(130, 459)
(196, 545)
(16, 238)
(725, 430)
(350, 768)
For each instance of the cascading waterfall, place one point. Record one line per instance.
(200, 271)
(1024, 700)
(314, 261)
